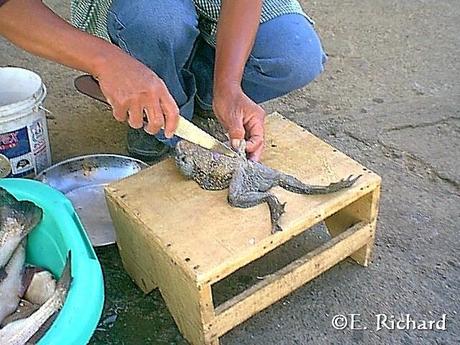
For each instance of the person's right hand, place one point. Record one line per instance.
(132, 89)
(241, 117)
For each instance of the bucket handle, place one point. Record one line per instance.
(49, 113)
(41, 107)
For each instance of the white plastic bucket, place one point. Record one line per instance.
(24, 142)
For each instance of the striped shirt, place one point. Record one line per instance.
(91, 15)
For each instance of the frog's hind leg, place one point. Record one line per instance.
(251, 199)
(294, 185)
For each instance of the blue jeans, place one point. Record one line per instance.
(164, 35)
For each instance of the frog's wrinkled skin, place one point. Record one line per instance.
(248, 182)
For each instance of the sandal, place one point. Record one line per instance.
(144, 146)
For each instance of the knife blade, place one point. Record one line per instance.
(89, 86)
(187, 130)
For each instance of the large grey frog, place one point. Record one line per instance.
(249, 182)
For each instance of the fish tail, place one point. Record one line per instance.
(66, 276)
(6, 198)
(26, 212)
(31, 213)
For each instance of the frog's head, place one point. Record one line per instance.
(192, 159)
(186, 154)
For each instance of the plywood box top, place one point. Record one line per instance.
(207, 237)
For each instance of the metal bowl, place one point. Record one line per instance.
(82, 179)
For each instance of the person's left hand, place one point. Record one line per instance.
(242, 118)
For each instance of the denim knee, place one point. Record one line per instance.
(303, 66)
(287, 55)
(271, 77)
(151, 31)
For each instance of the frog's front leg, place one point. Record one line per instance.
(292, 184)
(251, 199)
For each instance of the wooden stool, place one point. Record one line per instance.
(173, 235)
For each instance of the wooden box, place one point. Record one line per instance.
(173, 235)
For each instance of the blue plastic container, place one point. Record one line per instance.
(59, 232)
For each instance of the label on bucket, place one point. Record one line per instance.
(25, 150)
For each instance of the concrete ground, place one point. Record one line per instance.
(389, 98)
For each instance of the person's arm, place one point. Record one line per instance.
(128, 85)
(236, 32)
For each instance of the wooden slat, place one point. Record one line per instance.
(289, 278)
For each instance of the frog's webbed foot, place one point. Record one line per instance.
(343, 183)
(277, 209)
(250, 199)
(292, 184)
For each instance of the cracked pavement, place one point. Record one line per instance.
(389, 98)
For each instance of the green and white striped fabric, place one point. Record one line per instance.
(91, 15)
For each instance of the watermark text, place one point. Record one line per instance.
(389, 322)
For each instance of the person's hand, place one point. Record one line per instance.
(132, 89)
(242, 118)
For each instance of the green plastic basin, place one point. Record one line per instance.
(60, 232)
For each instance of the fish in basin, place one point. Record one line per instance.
(25, 321)
(17, 220)
(30, 329)
(11, 287)
(248, 182)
